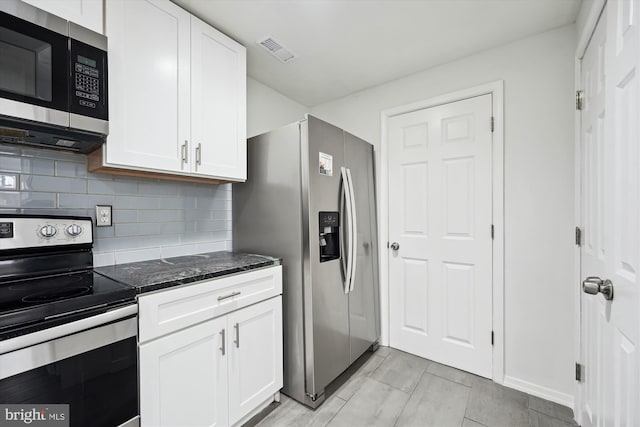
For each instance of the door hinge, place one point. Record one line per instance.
(492, 338)
(579, 99)
(578, 372)
(492, 124)
(578, 236)
(493, 232)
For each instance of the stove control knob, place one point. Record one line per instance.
(48, 231)
(74, 230)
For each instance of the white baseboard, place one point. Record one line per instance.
(539, 391)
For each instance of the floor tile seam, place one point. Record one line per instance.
(466, 406)
(338, 411)
(471, 419)
(392, 386)
(551, 416)
(407, 402)
(449, 379)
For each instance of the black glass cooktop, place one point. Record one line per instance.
(34, 304)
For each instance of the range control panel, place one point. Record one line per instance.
(28, 232)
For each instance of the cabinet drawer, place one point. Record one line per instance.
(167, 311)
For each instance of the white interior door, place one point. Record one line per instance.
(611, 218)
(593, 310)
(440, 211)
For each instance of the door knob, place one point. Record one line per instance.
(395, 246)
(592, 285)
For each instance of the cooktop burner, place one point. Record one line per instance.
(46, 274)
(22, 312)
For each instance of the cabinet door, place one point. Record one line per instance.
(87, 13)
(149, 84)
(183, 378)
(255, 356)
(218, 112)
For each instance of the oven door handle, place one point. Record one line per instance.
(40, 348)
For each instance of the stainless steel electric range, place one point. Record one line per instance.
(67, 334)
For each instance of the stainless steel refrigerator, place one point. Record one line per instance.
(310, 199)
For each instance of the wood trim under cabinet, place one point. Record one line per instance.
(95, 165)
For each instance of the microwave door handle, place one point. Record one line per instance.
(353, 228)
(344, 200)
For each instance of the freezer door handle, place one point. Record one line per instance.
(345, 223)
(353, 229)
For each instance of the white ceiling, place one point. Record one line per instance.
(344, 46)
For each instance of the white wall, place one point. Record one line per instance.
(268, 109)
(538, 74)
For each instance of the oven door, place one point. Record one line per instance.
(34, 64)
(94, 370)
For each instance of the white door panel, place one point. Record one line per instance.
(610, 211)
(440, 214)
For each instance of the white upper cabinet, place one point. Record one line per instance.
(218, 103)
(88, 13)
(148, 84)
(177, 95)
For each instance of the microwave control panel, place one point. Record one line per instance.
(89, 80)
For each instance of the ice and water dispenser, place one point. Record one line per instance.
(329, 224)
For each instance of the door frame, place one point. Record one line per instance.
(597, 6)
(496, 89)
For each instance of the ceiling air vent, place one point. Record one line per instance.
(276, 49)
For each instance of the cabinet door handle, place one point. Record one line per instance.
(185, 151)
(223, 348)
(231, 295)
(198, 155)
(237, 341)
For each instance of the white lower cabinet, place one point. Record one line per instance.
(255, 356)
(183, 378)
(216, 371)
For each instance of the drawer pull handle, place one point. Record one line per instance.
(231, 295)
(237, 340)
(223, 349)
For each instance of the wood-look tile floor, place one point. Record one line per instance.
(390, 388)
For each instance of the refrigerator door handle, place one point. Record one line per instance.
(353, 228)
(345, 219)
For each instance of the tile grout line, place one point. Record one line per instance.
(552, 416)
(410, 395)
(338, 411)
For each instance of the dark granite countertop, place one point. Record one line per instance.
(152, 275)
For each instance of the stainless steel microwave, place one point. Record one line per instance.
(53, 80)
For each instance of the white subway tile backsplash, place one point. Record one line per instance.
(112, 187)
(212, 247)
(123, 257)
(52, 184)
(32, 200)
(26, 165)
(101, 259)
(161, 215)
(137, 229)
(86, 201)
(137, 202)
(70, 169)
(158, 188)
(152, 218)
(179, 250)
(125, 215)
(185, 202)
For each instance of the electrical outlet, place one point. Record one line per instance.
(103, 216)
